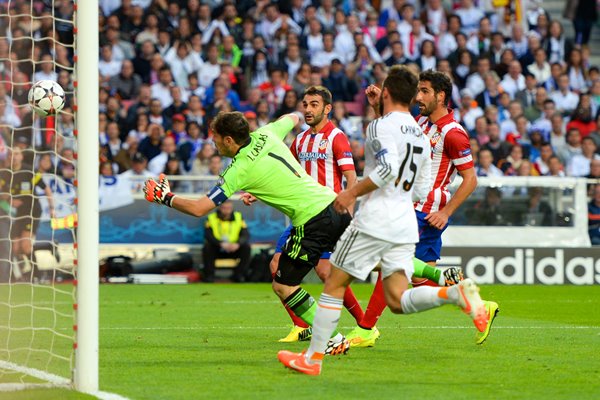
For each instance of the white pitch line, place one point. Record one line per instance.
(199, 328)
(54, 381)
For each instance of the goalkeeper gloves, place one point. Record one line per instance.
(159, 192)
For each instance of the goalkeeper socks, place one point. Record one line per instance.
(352, 305)
(303, 305)
(424, 298)
(326, 320)
(295, 319)
(424, 270)
(375, 307)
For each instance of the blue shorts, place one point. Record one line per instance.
(284, 237)
(429, 247)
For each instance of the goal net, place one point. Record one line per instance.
(38, 202)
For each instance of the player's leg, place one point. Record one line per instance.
(351, 303)
(244, 254)
(402, 300)
(428, 251)
(300, 329)
(209, 255)
(355, 256)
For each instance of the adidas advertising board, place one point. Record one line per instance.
(525, 266)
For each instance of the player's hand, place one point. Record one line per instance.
(247, 198)
(438, 219)
(158, 192)
(373, 93)
(344, 202)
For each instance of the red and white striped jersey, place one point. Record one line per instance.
(324, 155)
(450, 152)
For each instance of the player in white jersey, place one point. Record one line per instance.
(384, 230)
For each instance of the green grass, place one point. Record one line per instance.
(220, 342)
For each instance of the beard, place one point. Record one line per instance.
(427, 109)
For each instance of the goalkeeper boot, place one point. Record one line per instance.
(297, 362)
(297, 334)
(452, 276)
(336, 347)
(492, 310)
(471, 303)
(360, 337)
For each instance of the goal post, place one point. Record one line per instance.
(86, 70)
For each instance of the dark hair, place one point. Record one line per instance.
(439, 83)
(232, 124)
(401, 84)
(321, 91)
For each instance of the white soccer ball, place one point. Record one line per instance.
(46, 98)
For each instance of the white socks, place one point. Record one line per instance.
(426, 297)
(326, 319)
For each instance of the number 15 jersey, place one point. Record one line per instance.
(398, 161)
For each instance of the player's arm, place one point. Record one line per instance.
(459, 150)
(282, 126)
(160, 192)
(373, 96)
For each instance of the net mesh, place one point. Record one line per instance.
(38, 195)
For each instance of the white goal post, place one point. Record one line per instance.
(86, 46)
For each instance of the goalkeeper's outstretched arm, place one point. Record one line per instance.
(160, 192)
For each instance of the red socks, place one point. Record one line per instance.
(352, 305)
(376, 306)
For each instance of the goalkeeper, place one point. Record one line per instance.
(264, 167)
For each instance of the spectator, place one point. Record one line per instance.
(447, 39)
(487, 211)
(565, 99)
(579, 164)
(540, 68)
(584, 15)
(108, 65)
(495, 145)
(156, 165)
(47, 72)
(126, 84)
(594, 217)
(178, 106)
(469, 110)
(557, 45)
(150, 145)
(138, 173)
(557, 133)
(540, 163)
(491, 94)
(485, 165)
(576, 71)
(325, 56)
(582, 118)
(210, 70)
(173, 168)
(469, 15)
(555, 167)
(511, 164)
(337, 82)
(225, 236)
(182, 62)
(538, 212)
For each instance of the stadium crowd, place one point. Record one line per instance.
(525, 92)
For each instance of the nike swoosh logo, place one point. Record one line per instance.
(299, 367)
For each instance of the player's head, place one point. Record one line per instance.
(399, 87)
(435, 90)
(317, 104)
(230, 131)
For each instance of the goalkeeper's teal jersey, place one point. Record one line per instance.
(267, 169)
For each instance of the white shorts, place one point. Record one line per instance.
(357, 254)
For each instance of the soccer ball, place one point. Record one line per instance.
(46, 98)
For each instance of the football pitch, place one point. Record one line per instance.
(220, 342)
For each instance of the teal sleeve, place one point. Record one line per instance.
(279, 128)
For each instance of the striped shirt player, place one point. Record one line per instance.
(450, 153)
(324, 155)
